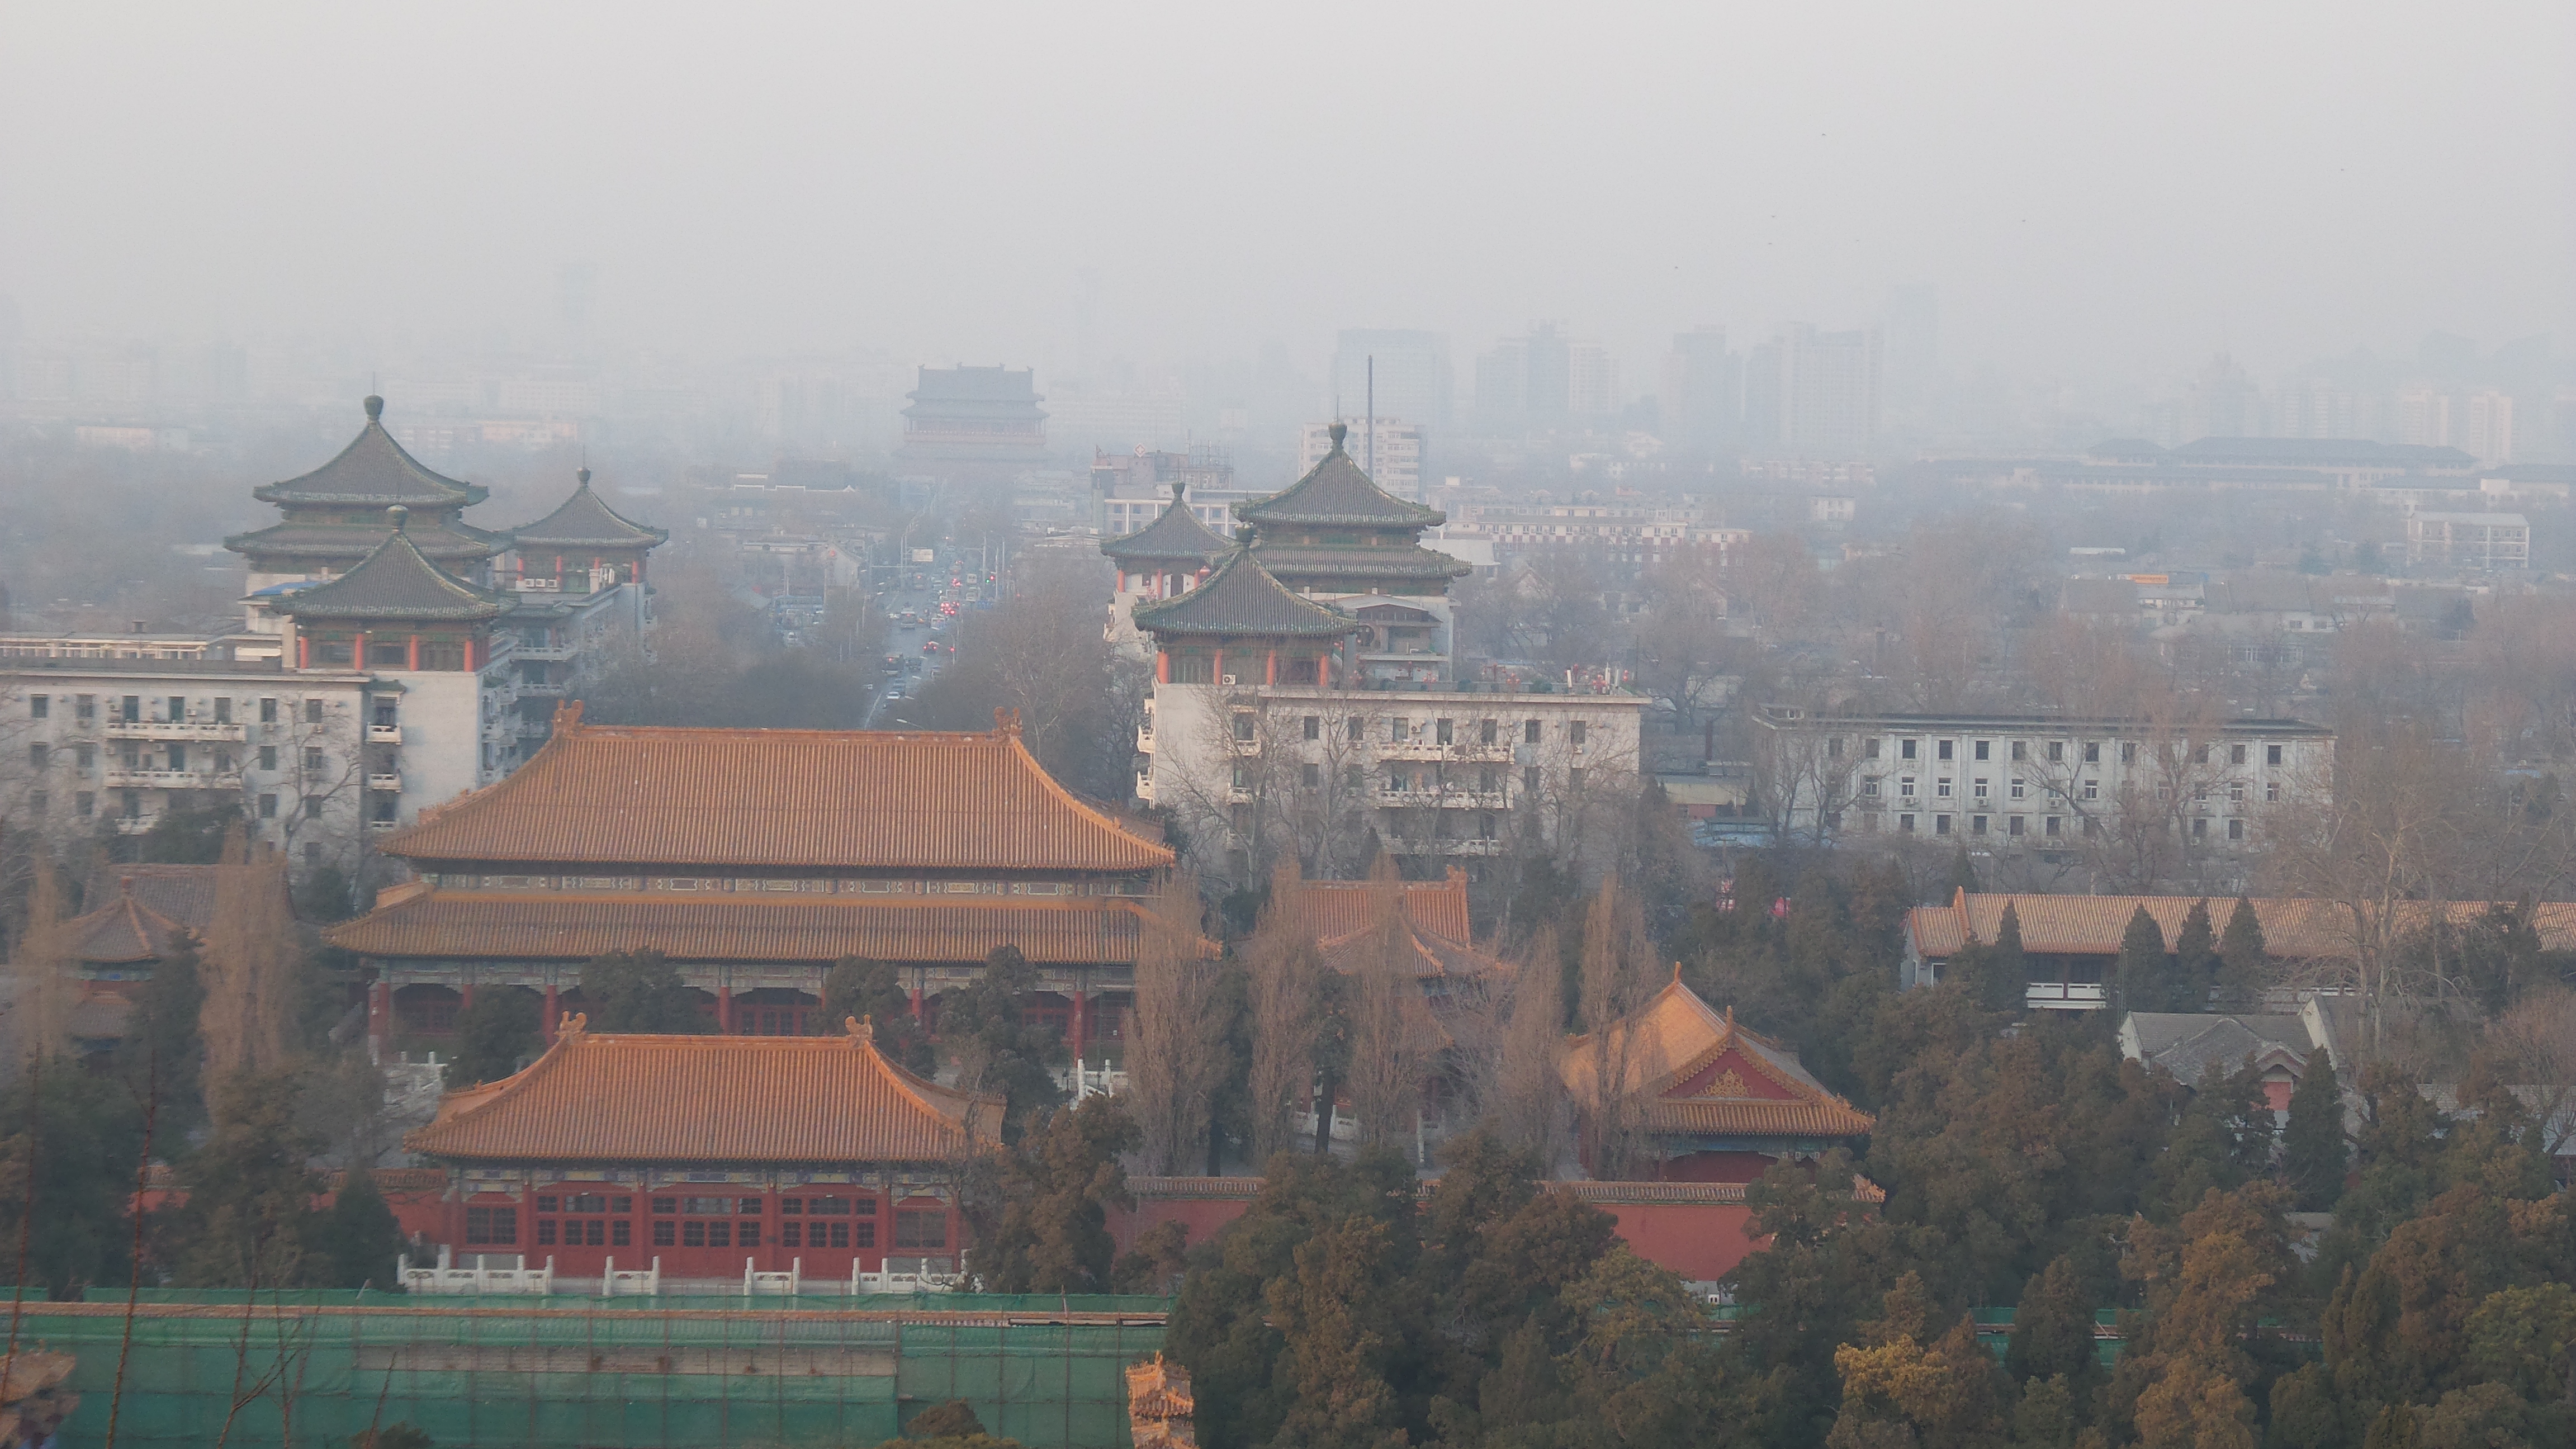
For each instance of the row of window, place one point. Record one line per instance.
(2053, 750)
(130, 804)
(132, 709)
(2050, 826)
(40, 755)
(913, 1227)
(2089, 789)
(1310, 776)
(1403, 731)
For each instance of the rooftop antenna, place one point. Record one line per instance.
(1372, 416)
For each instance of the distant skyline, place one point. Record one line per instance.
(2117, 197)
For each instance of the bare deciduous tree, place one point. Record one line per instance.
(1618, 980)
(1526, 1102)
(1393, 1038)
(1179, 1055)
(1286, 978)
(250, 959)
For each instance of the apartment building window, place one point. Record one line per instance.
(1351, 728)
(1442, 733)
(2019, 789)
(2057, 752)
(84, 804)
(38, 754)
(1976, 825)
(1489, 732)
(268, 711)
(39, 706)
(1869, 788)
(2271, 754)
(1983, 748)
(1905, 785)
(2021, 751)
(312, 711)
(224, 710)
(1949, 749)
(2200, 754)
(1833, 747)
(130, 709)
(2049, 826)
(2092, 753)
(2128, 752)
(1243, 729)
(2014, 825)
(312, 807)
(1574, 733)
(178, 711)
(1529, 732)
(1981, 787)
(2236, 754)
(268, 807)
(1941, 787)
(84, 708)
(1350, 777)
(1242, 778)
(2236, 830)
(1396, 730)
(1940, 824)
(1905, 824)
(2199, 828)
(1574, 780)
(313, 761)
(1905, 749)
(2092, 789)
(2236, 791)
(85, 757)
(268, 757)
(2092, 828)
(1314, 727)
(1310, 776)
(1529, 779)
(2272, 790)
(1869, 748)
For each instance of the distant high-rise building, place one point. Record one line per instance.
(1413, 378)
(2478, 423)
(1911, 358)
(1591, 381)
(1526, 384)
(1812, 392)
(1703, 399)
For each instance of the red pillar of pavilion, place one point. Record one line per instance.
(554, 1012)
(724, 1010)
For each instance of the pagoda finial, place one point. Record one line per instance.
(1339, 431)
(400, 516)
(1180, 489)
(1243, 535)
(375, 407)
(583, 475)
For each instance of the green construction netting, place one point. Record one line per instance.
(214, 1368)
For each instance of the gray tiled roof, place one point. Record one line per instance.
(1175, 533)
(1242, 598)
(1335, 491)
(396, 582)
(584, 521)
(373, 469)
(439, 538)
(1415, 561)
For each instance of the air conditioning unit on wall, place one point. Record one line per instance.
(1226, 679)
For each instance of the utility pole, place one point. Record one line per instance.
(1372, 416)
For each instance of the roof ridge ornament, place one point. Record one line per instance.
(375, 407)
(1338, 432)
(1006, 721)
(574, 1023)
(862, 1029)
(567, 716)
(400, 516)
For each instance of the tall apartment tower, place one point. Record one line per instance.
(1813, 393)
(1413, 377)
(1703, 397)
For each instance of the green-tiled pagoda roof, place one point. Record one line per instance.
(1242, 598)
(448, 540)
(1301, 561)
(396, 582)
(374, 469)
(1336, 492)
(584, 521)
(1175, 534)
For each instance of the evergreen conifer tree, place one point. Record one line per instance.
(2143, 976)
(2312, 1146)
(2245, 963)
(2195, 961)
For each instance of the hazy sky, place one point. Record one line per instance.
(2088, 191)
